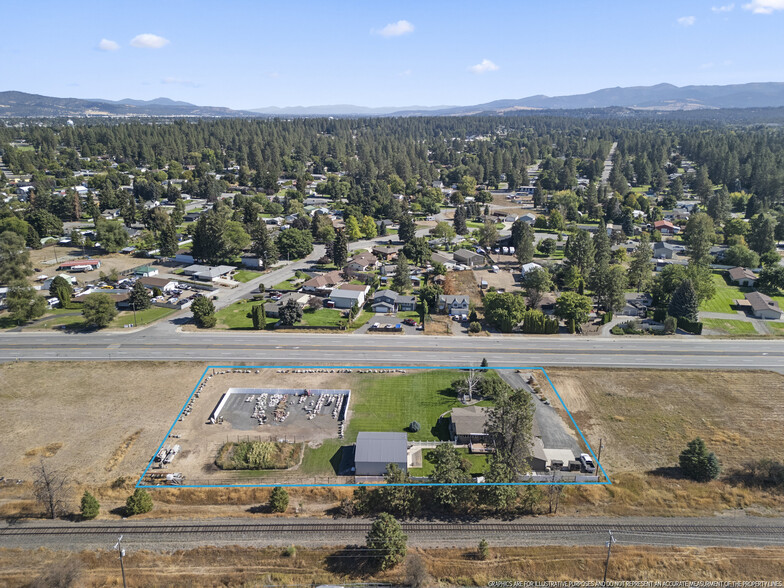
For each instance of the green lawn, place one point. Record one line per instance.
(58, 320)
(477, 225)
(478, 463)
(412, 314)
(729, 327)
(235, 316)
(323, 460)
(143, 317)
(322, 317)
(392, 402)
(360, 320)
(725, 294)
(285, 285)
(246, 275)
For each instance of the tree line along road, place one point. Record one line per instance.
(378, 350)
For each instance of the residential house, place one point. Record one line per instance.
(111, 213)
(743, 276)
(347, 295)
(469, 258)
(527, 267)
(362, 262)
(444, 258)
(662, 250)
(453, 304)
(763, 306)
(323, 282)
(388, 302)
(385, 253)
(528, 218)
(467, 423)
(271, 309)
(666, 228)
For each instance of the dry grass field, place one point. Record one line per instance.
(241, 566)
(645, 418)
(98, 421)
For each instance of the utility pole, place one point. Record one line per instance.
(133, 304)
(119, 548)
(601, 445)
(607, 561)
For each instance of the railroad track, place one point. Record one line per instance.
(766, 531)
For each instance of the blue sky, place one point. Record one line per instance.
(246, 54)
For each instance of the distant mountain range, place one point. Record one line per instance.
(21, 104)
(346, 110)
(658, 98)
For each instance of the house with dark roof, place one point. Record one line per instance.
(385, 253)
(662, 250)
(467, 422)
(362, 262)
(453, 304)
(743, 276)
(469, 258)
(388, 302)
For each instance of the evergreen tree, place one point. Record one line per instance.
(762, 231)
(386, 541)
(406, 228)
(699, 236)
(401, 282)
(89, 506)
(523, 241)
(14, 258)
(640, 265)
(167, 240)
(340, 248)
(263, 245)
(23, 302)
(601, 244)
(459, 221)
(698, 463)
(279, 499)
(684, 302)
(258, 316)
(204, 312)
(140, 296)
(139, 502)
(290, 313)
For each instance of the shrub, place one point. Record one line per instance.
(474, 327)
(139, 502)
(290, 551)
(279, 500)
(670, 324)
(694, 327)
(484, 550)
(414, 427)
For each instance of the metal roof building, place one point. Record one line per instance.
(375, 450)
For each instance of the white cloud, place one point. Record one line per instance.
(687, 21)
(395, 29)
(405, 73)
(764, 6)
(107, 45)
(180, 82)
(725, 8)
(484, 66)
(149, 41)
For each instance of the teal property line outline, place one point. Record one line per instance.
(419, 484)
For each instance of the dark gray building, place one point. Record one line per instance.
(375, 450)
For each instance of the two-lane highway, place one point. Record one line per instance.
(352, 349)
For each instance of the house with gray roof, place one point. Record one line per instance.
(388, 302)
(374, 451)
(743, 276)
(763, 306)
(453, 304)
(662, 250)
(469, 258)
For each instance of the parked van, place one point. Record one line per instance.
(505, 250)
(494, 269)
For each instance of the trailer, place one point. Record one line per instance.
(172, 453)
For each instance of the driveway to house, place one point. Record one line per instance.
(386, 319)
(554, 432)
